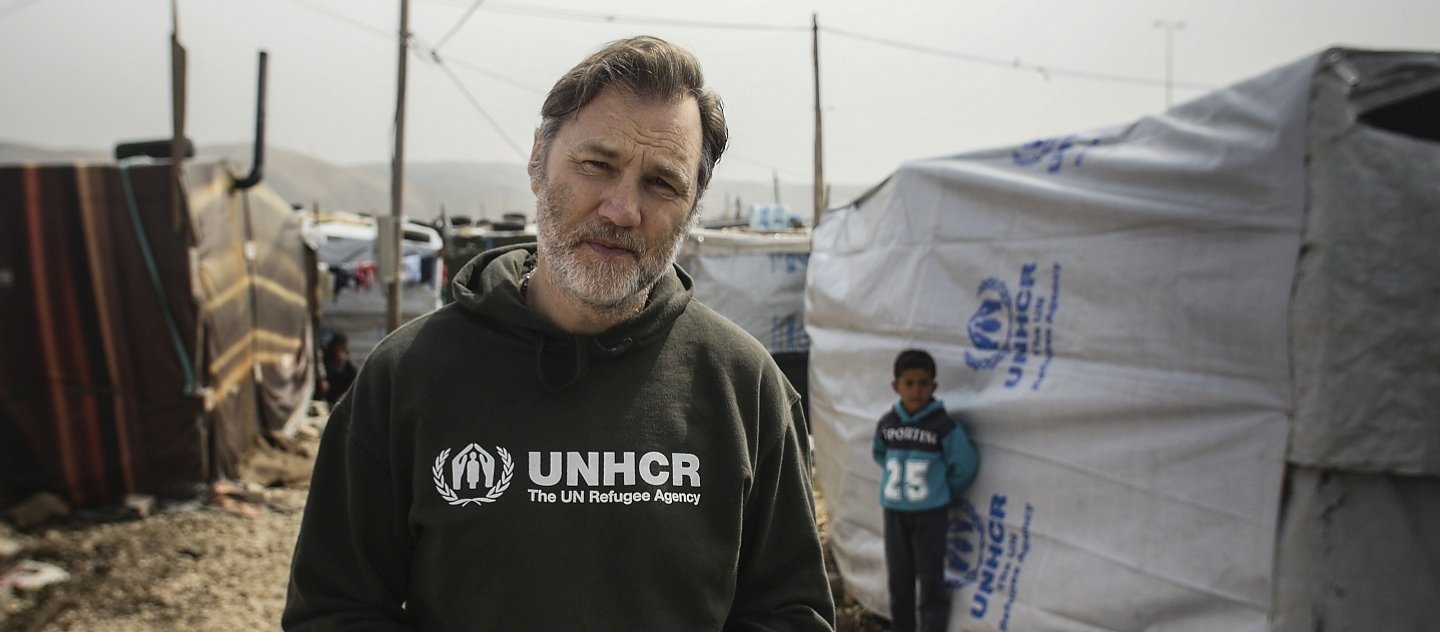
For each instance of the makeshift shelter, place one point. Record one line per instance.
(756, 278)
(1199, 356)
(347, 248)
(355, 299)
(146, 342)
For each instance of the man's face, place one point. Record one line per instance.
(615, 195)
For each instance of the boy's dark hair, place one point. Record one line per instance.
(336, 341)
(914, 359)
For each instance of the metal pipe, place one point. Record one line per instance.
(257, 162)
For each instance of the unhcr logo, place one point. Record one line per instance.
(989, 327)
(964, 545)
(1016, 331)
(987, 554)
(462, 479)
(1054, 154)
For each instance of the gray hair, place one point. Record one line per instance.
(643, 67)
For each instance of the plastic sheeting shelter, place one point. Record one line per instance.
(757, 280)
(145, 347)
(356, 298)
(1199, 356)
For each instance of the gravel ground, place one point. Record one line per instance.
(193, 569)
(850, 616)
(219, 565)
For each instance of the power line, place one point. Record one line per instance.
(458, 23)
(481, 109)
(496, 76)
(345, 18)
(445, 63)
(388, 34)
(1045, 71)
(432, 52)
(440, 62)
(587, 16)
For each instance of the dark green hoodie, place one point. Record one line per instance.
(490, 472)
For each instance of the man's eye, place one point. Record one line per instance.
(662, 183)
(595, 164)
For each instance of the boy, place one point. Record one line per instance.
(927, 461)
(340, 371)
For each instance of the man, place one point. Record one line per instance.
(650, 468)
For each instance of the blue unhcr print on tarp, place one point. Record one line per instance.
(1016, 332)
(985, 553)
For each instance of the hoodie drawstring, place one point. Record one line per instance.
(582, 364)
(582, 359)
(618, 349)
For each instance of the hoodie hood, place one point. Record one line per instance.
(489, 287)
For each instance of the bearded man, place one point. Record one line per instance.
(651, 463)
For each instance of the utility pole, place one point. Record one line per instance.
(775, 178)
(819, 160)
(397, 175)
(178, 70)
(1170, 27)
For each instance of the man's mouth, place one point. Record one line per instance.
(608, 248)
(610, 242)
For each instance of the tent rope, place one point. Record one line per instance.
(149, 257)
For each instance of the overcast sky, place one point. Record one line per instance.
(899, 80)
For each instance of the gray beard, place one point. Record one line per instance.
(606, 286)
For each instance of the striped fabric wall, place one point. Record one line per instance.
(89, 378)
(136, 354)
(253, 287)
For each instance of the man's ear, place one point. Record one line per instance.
(895, 386)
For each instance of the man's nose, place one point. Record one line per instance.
(621, 204)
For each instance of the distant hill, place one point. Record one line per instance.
(478, 190)
(463, 188)
(11, 153)
(309, 181)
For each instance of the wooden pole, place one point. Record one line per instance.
(397, 176)
(819, 160)
(178, 67)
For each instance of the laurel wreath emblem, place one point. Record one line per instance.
(993, 317)
(506, 472)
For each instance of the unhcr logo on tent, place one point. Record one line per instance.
(964, 545)
(1051, 153)
(987, 554)
(989, 327)
(1016, 332)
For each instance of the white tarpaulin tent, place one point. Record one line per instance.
(354, 296)
(755, 279)
(1155, 331)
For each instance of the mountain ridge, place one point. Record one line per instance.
(479, 190)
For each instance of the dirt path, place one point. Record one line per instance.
(194, 569)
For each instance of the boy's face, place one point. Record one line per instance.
(915, 388)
